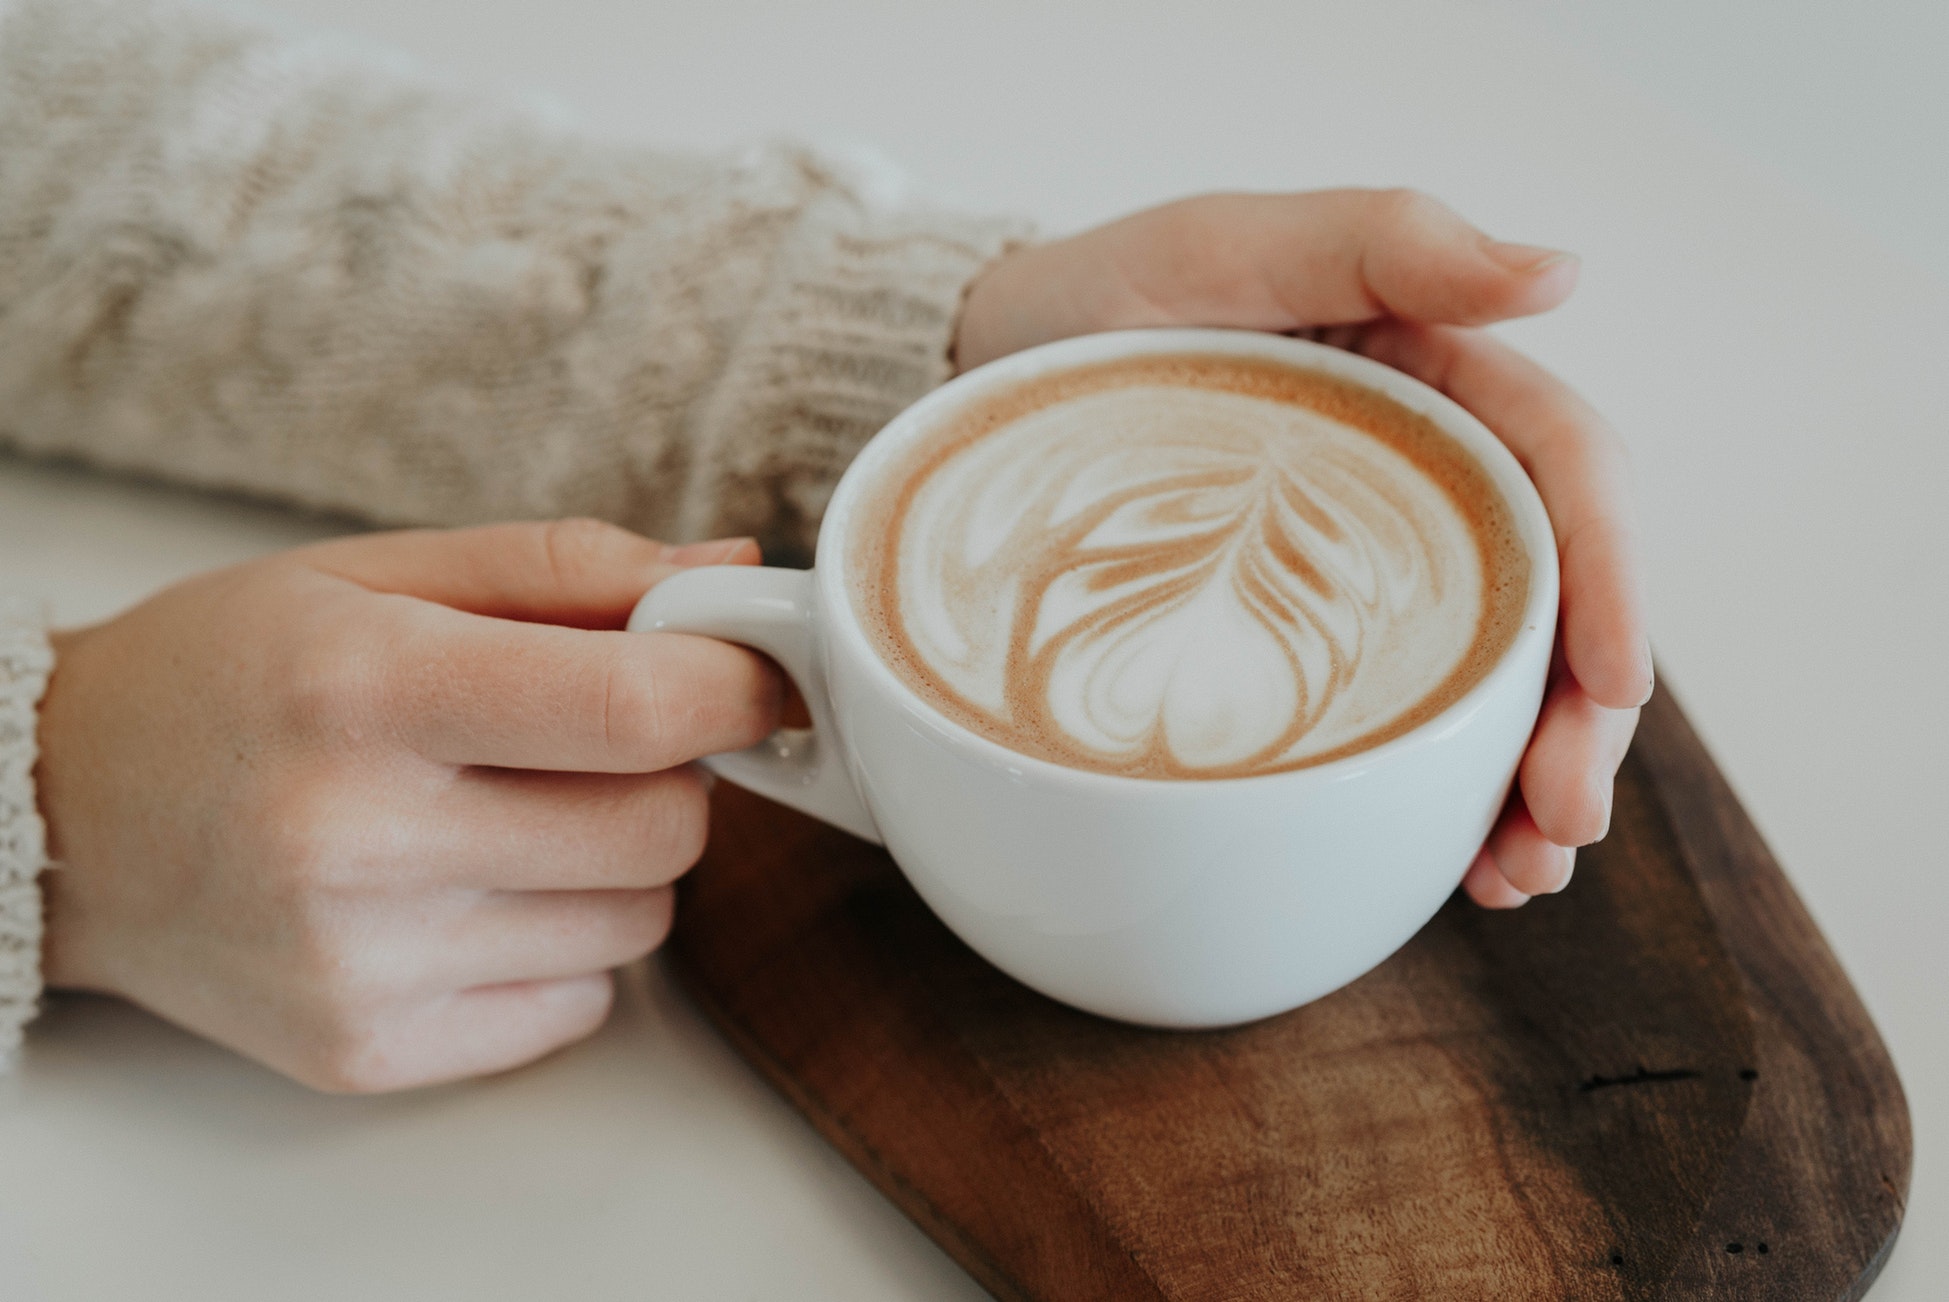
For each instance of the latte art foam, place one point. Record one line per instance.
(1189, 567)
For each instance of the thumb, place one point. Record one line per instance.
(581, 573)
(1330, 257)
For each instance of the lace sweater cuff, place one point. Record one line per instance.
(25, 662)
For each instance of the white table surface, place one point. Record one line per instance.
(1773, 338)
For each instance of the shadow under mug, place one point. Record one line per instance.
(1170, 903)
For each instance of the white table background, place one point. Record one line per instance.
(1760, 189)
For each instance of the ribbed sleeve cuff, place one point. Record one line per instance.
(25, 662)
(855, 322)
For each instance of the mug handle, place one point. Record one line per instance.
(774, 611)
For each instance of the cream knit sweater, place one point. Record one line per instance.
(251, 259)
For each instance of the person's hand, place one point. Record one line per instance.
(385, 811)
(1396, 276)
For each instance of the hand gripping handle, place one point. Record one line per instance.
(774, 611)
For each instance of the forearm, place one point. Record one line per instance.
(251, 261)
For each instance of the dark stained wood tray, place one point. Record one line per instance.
(1656, 1085)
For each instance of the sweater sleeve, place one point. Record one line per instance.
(250, 259)
(25, 661)
(254, 259)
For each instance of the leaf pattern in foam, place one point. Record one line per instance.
(1178, 584)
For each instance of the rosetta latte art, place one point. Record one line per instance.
(1177, 582)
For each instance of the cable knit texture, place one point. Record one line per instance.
(261, 260)
(283, 265)
(25, 662)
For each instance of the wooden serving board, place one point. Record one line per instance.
(1656, 1085)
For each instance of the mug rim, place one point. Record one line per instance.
(1533, 527)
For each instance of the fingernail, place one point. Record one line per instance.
(714, 552)
(1530, 259)
(1569, 871)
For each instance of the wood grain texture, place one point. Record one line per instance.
(1657, 1085)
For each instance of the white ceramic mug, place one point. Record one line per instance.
(1173, 903)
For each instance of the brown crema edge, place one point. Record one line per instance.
(883, 514)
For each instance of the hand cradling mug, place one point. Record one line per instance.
(1182, 672)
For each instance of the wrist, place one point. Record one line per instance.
(59, 776)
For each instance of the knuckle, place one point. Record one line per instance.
(1578, 819)
(633, 709)
(1203, 212)
(663, 702)
(1402, 208)
(575, 548)
(353, 1059)
(1623, 727)
(659, 910)
(1612, 444)
(349, 1006)
(633, 924)
(302, 841)
(339, 990)
(1574, 425)
(593, 999)
(333, 683)
(346, 1045)
(1177, 232)
(1171, 221)
(686, 821)
(297, 842)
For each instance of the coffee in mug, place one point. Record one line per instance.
(1187, 566)
(1182, 672)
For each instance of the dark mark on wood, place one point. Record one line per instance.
(1638, 1077)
